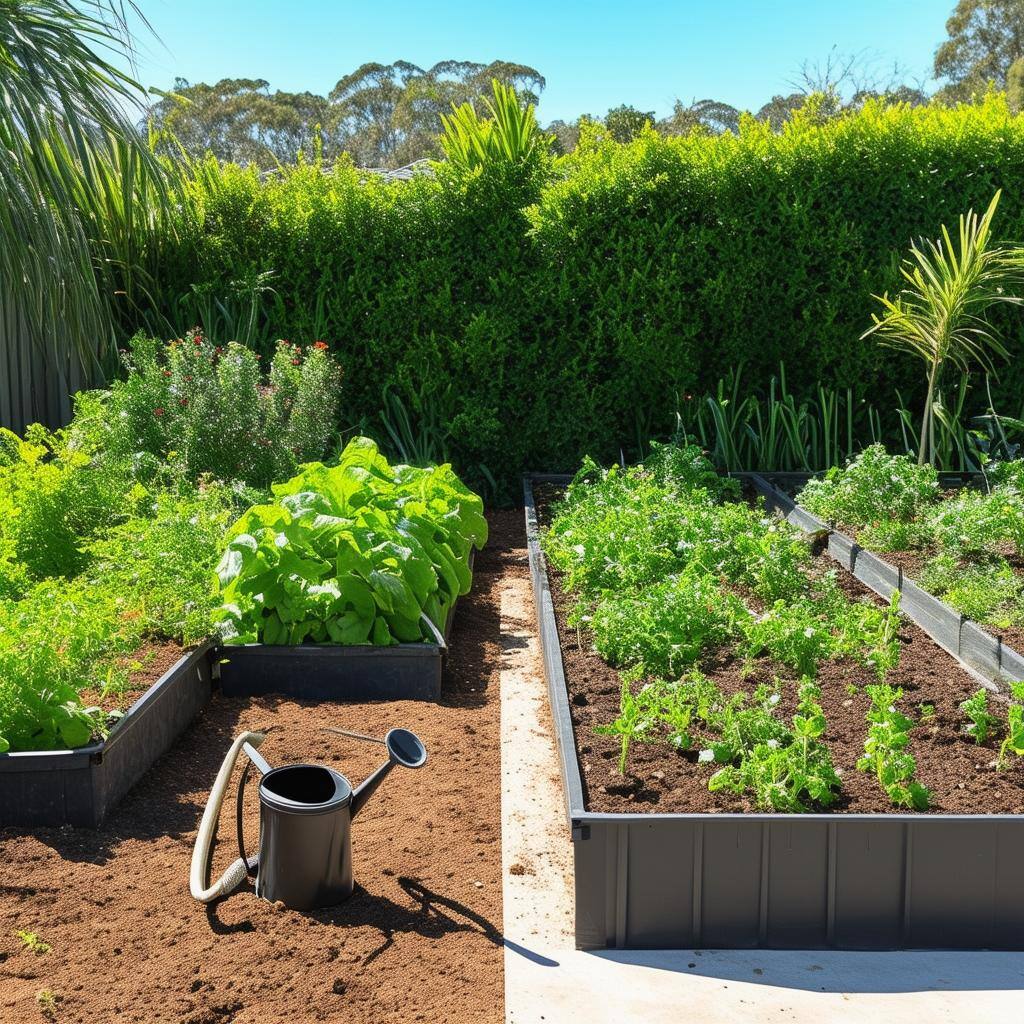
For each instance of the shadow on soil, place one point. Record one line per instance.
(167, 802)
(840, 971)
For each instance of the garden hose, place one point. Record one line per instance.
(239, 869)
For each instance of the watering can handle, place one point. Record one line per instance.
(257, 759)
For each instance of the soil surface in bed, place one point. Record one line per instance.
(420, 940)
(960, 774)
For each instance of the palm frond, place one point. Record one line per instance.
(72, 170)
(940, 315)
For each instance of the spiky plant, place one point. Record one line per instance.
(77, 180)
(508, 133)
(941, 313)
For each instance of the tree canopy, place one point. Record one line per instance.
(382, 115)
(986, 38)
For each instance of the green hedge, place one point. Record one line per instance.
(561, 309)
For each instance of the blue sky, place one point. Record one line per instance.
(594, 55)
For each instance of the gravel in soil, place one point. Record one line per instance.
(961, 775)
(420, 939)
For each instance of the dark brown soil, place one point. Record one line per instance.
(420, 940)
(961, 775)
(145, 666)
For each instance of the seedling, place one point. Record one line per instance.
(636, 719)
(885, 749)
(790, 772)
(32, 942)
(1014, 726)
(47, 1001)
(976, 709)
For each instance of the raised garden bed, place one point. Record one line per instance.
(950, 629)
(727, 878)
(331, 672)
(80, 786)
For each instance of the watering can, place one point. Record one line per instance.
(306, 811)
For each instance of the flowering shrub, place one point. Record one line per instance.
(211, 409)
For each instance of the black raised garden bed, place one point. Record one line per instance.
(810, 881)
(330, 672)
(79, 787)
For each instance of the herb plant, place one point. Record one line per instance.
(885, 749)
(981, 719)
(212, 409)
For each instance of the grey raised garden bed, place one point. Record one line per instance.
(79, 787)
(951, 630)
(329, 672)
(813, 881)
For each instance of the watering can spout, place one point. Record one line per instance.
(404, 748)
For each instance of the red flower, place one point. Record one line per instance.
(167, 373)
(158, 412)
(183, 401)
(295, 362)
(320, 346)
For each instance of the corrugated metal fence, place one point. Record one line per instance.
(35, 385)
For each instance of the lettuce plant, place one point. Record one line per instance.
(354, 553)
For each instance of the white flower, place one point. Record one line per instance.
(704, 756)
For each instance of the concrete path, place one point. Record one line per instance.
(547, 980)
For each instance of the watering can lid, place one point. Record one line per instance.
(275, 789)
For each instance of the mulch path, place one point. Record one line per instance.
(420, 940)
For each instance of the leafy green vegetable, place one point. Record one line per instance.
(1014, 740)
(982, 720)
(885, 750)
(789, 771)
(359, 552)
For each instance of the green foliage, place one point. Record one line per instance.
(873, 486)
(358, 552)
(1014, 740)
(982, 720)
(885, 749)
(665, 629)
(988, 590)
(161, 561)
(32, 942)
(576, 304)
(823, 626)
(92, 564)
(896, 506)
(941, 313)
(212, 410)
(54, 493)
(685, 467)
(638, 716)
(793, 773)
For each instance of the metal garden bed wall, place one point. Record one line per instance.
(951, 630)
(325, 672)
(812, 881)
(79, 787)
